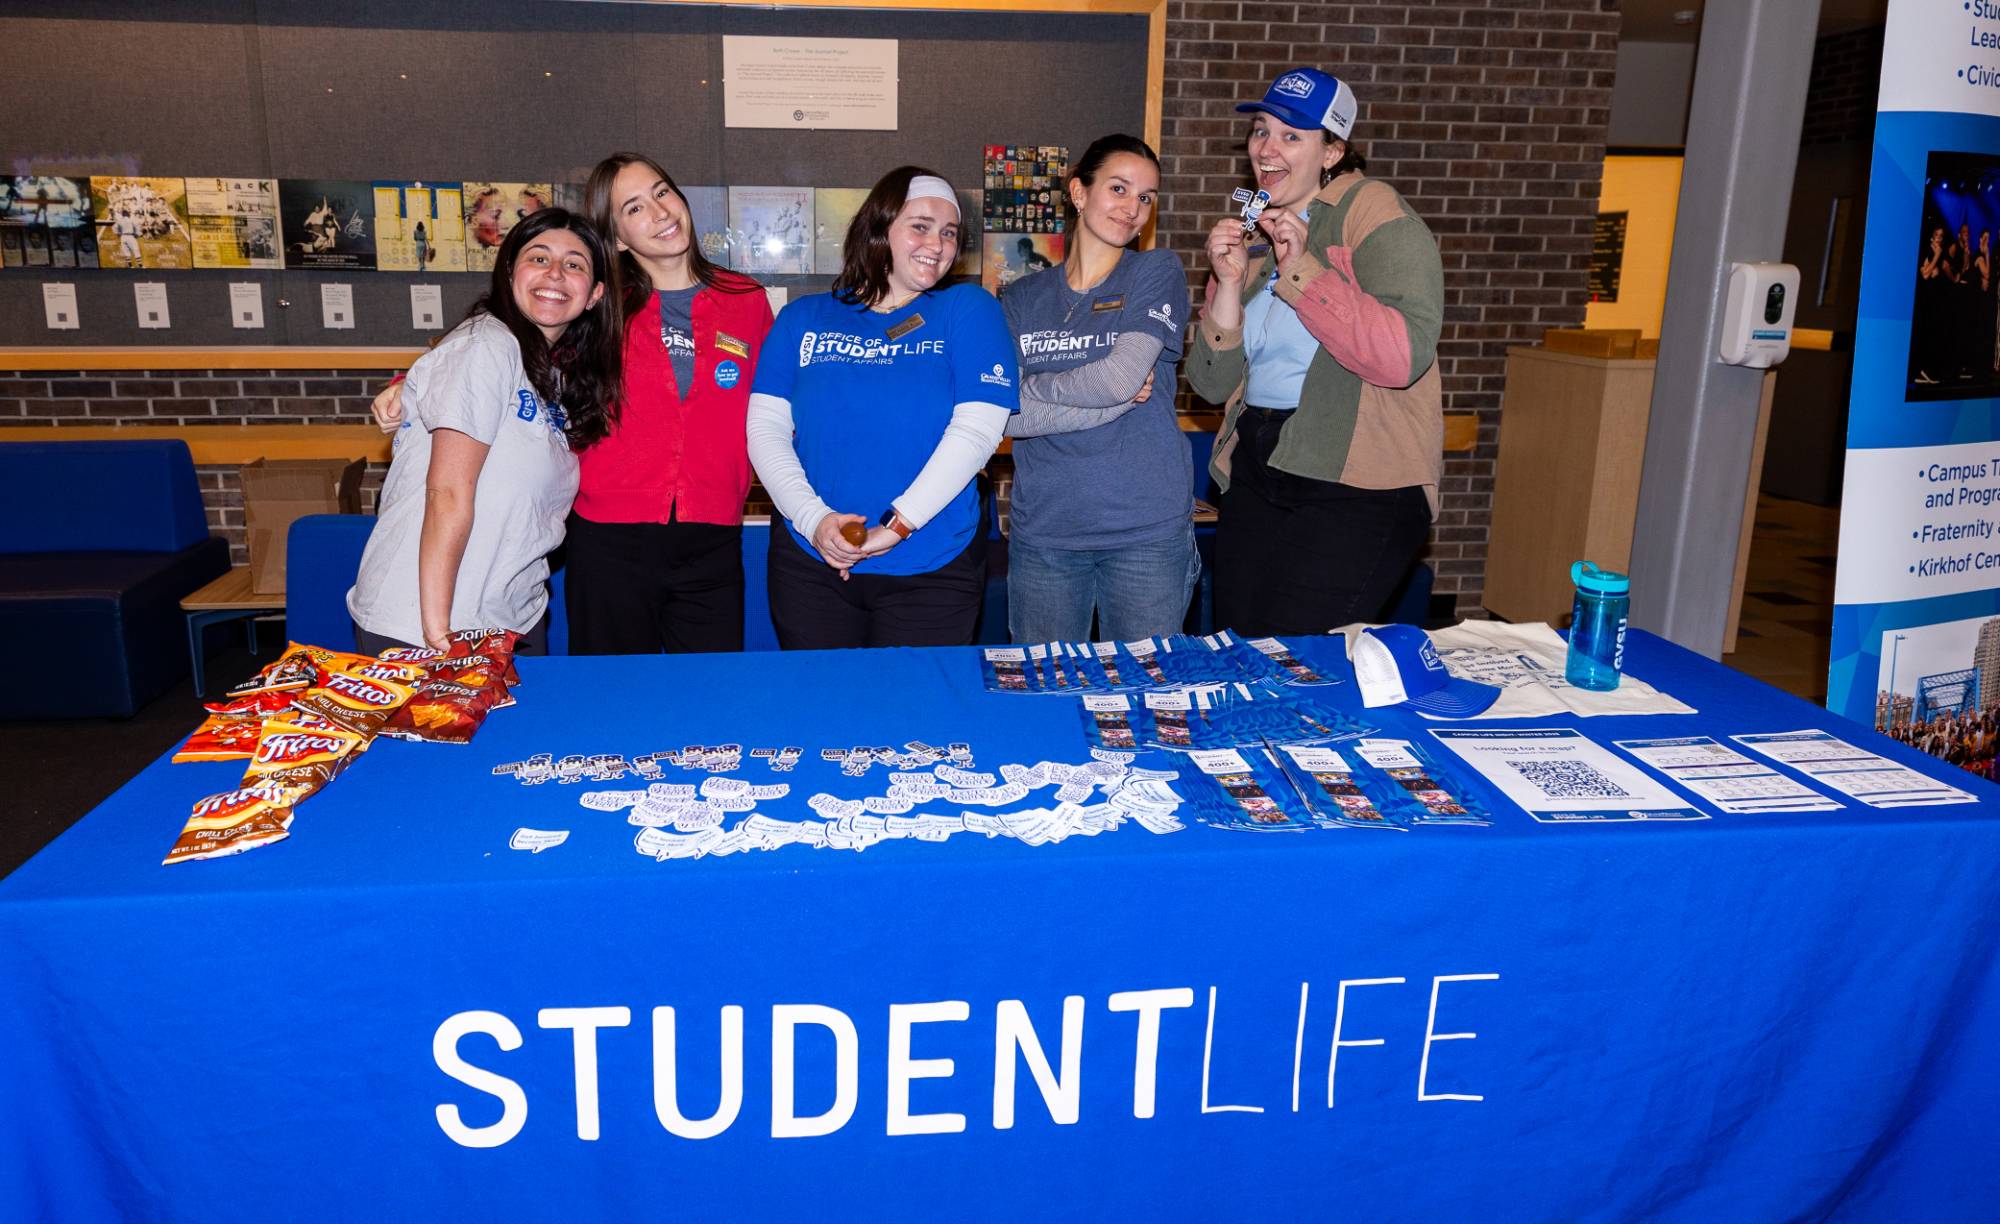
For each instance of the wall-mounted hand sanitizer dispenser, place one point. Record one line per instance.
(1757, 314)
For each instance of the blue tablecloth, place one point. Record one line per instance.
(1745, 1018)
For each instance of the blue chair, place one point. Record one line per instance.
(1201, 616)
(99, 543)
(322, 555)
(757, 631)
(1411, 604)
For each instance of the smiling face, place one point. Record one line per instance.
(553, 282)
(1114, 208)
(651, 219)
(1287, 160)
(923, 242)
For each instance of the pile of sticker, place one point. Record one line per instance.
(686, 820)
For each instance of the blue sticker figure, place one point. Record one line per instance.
(726, 374)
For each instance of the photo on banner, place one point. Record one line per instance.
(1953, 354)
(1917, 582)
(771, 230)
(327, 223)
(141, 222)
(44, 219)
(710, 206)
(492, 210)
(234, 222)
(1006, 258)
(419, 227)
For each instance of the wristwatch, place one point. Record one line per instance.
(896, 523)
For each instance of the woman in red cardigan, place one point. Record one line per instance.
(655, 541)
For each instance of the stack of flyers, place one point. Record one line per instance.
(1243, 789)
(1116, 722)
(1116, 673)
(1303, 660)
(1178, 722)
(1004, 669)
(1329, 787)
(1248, 714)
(1409, 786)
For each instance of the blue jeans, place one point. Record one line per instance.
(1139, 590)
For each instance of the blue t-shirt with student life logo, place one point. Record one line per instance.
(1127, 482)
(871, 395)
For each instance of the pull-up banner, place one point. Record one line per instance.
(1916, 620)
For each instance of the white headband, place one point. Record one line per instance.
(931, 187)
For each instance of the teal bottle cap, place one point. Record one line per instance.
(1588, 577)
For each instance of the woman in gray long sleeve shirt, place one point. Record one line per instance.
(1103, 497)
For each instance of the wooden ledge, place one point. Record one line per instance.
(228, 444)
(257, 357)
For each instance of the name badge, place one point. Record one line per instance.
(1113, 302)
(906, 327)
(730, 344)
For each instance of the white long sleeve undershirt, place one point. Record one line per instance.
(968, 442)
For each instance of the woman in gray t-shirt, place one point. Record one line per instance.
(1102, 520)
(484, 468)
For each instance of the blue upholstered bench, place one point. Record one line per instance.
(99, 542)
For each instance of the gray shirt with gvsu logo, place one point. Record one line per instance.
(472, 382)
(1126, 482)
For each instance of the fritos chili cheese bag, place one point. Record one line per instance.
(291, 761)
(354, 701)
(231, 823)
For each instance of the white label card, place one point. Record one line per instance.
(1558, 776)
(59, 305)
(150, 297)
(336, 307)
(426, 307)
(246, 304)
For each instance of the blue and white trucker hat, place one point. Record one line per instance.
(1397, 665)
(1309, 98)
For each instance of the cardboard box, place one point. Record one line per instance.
(276, 491)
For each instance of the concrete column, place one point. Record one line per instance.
(1749, 103)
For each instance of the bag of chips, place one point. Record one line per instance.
(231, 823)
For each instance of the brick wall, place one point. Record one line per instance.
(1489, 117)
(1846, 73)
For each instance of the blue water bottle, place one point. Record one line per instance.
(1597, 627)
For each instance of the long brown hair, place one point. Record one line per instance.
(581, 371)
(630, 285)
(864, 255)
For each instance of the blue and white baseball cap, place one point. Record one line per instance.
(1309, 98)
(1397, 665)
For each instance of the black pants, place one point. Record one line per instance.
(1294, 555)
(641, 588)
(812, 609)
(534, 642)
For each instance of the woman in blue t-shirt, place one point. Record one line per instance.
(1102, 519)
(874, 407)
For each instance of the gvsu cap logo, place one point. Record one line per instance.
(1294, 85)
(998, 376)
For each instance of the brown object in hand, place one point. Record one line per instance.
(854, 533)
